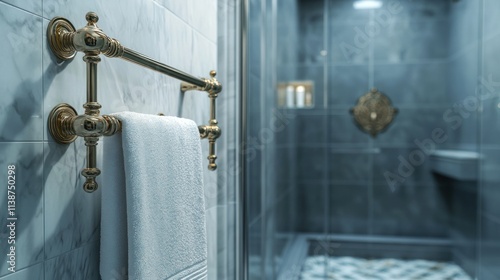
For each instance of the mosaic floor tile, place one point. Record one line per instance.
(348, 268)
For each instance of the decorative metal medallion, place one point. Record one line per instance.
(374, 112)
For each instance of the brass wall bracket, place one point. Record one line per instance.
(64, 123)
(211, 131)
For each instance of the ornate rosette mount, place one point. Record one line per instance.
(373, 112)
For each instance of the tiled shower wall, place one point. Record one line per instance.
(403, 50)
(58, 223)
(427, 60)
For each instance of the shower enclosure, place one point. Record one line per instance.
(326, 200)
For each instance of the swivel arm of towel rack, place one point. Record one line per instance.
(65, 125)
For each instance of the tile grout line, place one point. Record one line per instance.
(6, 276)
(185, 22)
(22, 9)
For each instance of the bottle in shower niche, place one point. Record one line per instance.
(309, 100)
(290, 96)
(300, 94)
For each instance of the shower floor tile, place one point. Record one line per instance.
(348, 268)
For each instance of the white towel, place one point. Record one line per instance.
(153, 209)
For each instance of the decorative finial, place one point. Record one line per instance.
(213, 73)
(212, 166)
(92, 18)
(90, 186)
(374, 89)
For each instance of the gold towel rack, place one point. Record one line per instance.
(65, 125)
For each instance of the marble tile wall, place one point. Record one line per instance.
(58, 226)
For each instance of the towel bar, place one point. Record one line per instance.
(65, 125)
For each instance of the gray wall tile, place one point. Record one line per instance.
(407, 163)
(349, 209)
(411, 210)
(346, 84)
(418, 124)
(284, 212)
(349, 166)
(21, 112)
(311, 127)
(34, 7)
(311, 28)
(406, 39)
(312, 207)
(29, 206)
(79, 264)
(285, 127)
(348, 43)
(464, 33)
(34, 272)
(423, 10)
(343, 130)
(76, 222)
(412, 84)
(311, 164)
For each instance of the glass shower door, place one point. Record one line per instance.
(327, 199)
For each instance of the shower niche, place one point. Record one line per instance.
(296, 94)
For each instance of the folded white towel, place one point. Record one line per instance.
(153, 209)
